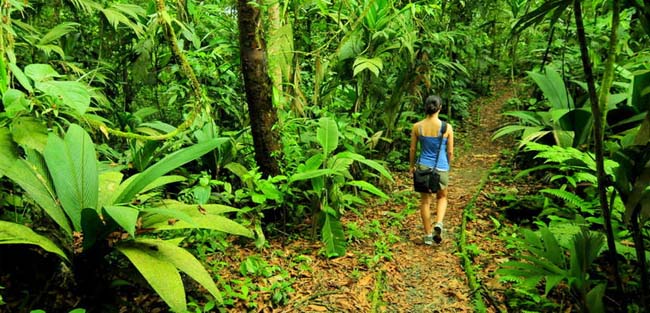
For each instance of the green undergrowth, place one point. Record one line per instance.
(251, 278)
(467, 251)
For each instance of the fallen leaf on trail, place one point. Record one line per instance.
(365, 281)
(317, 308)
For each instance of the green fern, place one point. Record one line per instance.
(564, 232)
(544, 260)
(569, 158)
(527, 171)
(568, 197)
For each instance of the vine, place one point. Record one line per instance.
(165, 20)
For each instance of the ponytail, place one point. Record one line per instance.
(432, 104)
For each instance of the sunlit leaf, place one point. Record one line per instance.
(126, 217)
(12, 233)
(184, 261)
(72, 163)
(69, 93)
(176, 215)
(133, 186)
(29, 132)
(41, 72)
(327, 135)
(57, 32)
(333, 236)
(159, 273)
(552, 85)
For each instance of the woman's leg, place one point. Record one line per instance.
(441, 205)
(440, 214)
(425, 212)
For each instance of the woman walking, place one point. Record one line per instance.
(437, 151)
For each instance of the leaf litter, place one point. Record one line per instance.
(409, 277)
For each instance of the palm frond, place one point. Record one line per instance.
(57, 32)
(120, 14)
(538, 15)
(87, 6)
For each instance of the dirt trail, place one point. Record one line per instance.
(395, 271)
(433, 279)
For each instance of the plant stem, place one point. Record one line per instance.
(598, 106)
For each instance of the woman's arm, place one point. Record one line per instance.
(414, 143)
(450, 145)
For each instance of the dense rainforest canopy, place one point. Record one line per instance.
(143, 143)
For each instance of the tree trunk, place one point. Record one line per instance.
(258, 89)
(597, 109)
(275, 50)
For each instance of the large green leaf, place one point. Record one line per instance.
(640, 95)
(163, 180)
(371, 163)
(12, 233)
(369, 188)
(162, 167)
(125, 14)
(37, 186)
(20, 76)
(361, 63)
(241, 172)
(73, 166)
(553, 87)
(109, 183)
(57, 32)
(29, 132)
(327, 135)
(333, 236)
(182, 260)
(176, 215)
(508, 129)
(8, 150)
(158, 271)
(41, 72)
(536, 16)
(580, 121)
(14, 102)
(595, 299)
(125, 216)
(70, 93)
(528, 117)
(587, 246)
(310, 174)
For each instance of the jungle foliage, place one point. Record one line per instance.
(127, 127)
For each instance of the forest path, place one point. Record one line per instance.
(432, 279)
(387, 268)
(392, 270)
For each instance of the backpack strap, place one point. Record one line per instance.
(443, 128)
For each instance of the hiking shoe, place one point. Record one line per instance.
(428, 240)
(437, 233)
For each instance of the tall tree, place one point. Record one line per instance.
(258, 86)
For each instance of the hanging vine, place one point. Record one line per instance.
(165, 21)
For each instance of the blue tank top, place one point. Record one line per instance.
(429, 146)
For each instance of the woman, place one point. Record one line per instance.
(428, 133)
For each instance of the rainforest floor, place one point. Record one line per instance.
(387, 267)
